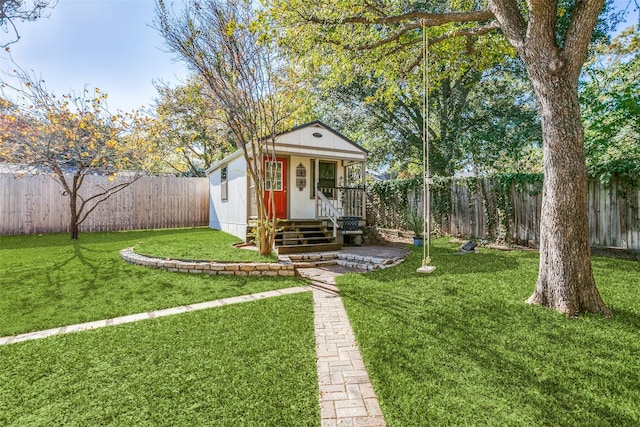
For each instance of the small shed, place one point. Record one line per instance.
(319, 183)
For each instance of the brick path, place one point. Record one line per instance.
(346, 394)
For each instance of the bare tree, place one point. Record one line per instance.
(20, 10)
(221, 41)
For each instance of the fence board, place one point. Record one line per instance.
(37, 204)
(614, 214)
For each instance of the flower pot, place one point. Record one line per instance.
(418, 241)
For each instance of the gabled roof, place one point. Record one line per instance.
(329, 128)
(315, 123)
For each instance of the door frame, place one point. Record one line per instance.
(282, 193)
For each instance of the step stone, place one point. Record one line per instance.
(318, 247)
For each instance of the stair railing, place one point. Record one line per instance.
(326, 210)
(349, 201)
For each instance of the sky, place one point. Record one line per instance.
(109, 44)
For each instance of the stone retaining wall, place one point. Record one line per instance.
(386, 236)
(206, 267)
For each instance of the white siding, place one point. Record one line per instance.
(229, 216)
(329, 145)
(301, 205)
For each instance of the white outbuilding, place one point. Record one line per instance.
(318, 190)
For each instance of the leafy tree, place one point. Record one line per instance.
(189, 127)
(551, 38)
(499, 131)
(482, 122)
(72, 137)
(610, 100)
(387, 87)
(392, 128)
(222, 42)
(21, 10)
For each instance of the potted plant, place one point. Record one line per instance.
(415, 223)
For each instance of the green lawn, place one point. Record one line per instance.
(50, 280)
(456, 347)
(460, 347)
(200, 244)
(249, 364)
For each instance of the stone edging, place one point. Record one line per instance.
(210, 267)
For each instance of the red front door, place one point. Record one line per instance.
(276, 183)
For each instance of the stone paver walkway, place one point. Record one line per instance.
(346, 393)
(347, 397)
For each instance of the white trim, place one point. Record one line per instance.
(220, 163)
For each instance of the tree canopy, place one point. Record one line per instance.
(610, 100)
(191, 134)
(552, 39)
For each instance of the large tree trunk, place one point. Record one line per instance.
(554, 62)
(565, 280)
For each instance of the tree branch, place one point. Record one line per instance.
(429, 19)
(576, 44)
(11, 10)
(466, 32)
(511, 21)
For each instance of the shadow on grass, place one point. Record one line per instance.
(463, 338)
(626, 318)
(91, 267)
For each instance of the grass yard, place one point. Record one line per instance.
(249, 364)
(50, 280)
(460, 347)
(197, 245)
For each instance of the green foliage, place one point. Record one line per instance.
(610, 99)
(488, 127)
(608, 21)
(499, 131)
(392, 196)
(389, 55)
(415, 221)
(48, 281)
(236, 365)
(394, 190)
(486, 122)
(380, 102)
(460, 346)
(519, 182)
(191, 134)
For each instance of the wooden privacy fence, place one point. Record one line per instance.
(34, 204)
(475, 209)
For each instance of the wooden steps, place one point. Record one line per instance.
(298, 236)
